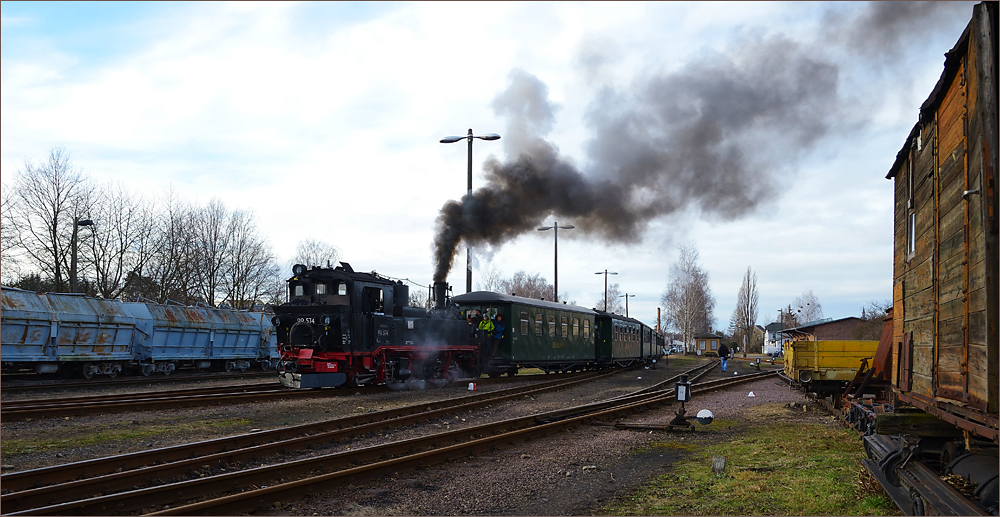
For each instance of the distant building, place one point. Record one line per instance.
(707, 343)
(822, 330)
(774, 338)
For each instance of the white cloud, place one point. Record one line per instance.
(325, 121)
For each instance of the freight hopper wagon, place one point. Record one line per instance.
(944, 369)
(345, 328)
(80, 335)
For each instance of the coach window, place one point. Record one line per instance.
(586, 329)
(576, 327)
(552, 325)
(538, 324)
(565, 326)
(524, 323)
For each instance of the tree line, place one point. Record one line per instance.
(63, 232)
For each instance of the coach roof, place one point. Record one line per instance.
(488, 297)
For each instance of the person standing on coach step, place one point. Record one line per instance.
(723, 355)
(498, 330)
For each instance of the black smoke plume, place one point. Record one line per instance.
(713, 137)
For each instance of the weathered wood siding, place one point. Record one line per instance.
(945, 296)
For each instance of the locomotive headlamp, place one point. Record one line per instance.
(276, 321)
(298, 269)
(325, 320)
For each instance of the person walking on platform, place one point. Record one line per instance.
(723, 355)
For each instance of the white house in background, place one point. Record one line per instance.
(774, 339)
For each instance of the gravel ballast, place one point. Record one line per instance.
(572, 473)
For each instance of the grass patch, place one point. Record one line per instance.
(12, 448)
(776, 469)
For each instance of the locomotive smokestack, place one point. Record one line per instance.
(440, 294)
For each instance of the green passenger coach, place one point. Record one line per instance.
(554, 337)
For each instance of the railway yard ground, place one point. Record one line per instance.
(784, 454)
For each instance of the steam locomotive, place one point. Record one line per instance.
(345, 328)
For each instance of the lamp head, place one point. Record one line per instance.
(452, 139)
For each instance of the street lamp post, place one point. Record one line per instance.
(605, 273)
(451, 140)
(77, 223)
(555, 227)
(627, 296)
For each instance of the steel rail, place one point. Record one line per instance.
(55, 484)
(187, 490)
(132, 397)
(35, 384)
(264, 497)
(80, 406)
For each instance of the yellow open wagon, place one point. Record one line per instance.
(826, 366)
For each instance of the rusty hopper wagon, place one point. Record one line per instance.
(80, 335)
(944, 358)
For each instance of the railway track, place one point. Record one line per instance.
(26, 382)
(186, 398)
(156, 480)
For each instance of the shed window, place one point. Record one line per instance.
(576, 327)
(701, 344)
(565, 326)
(524, 323)
(715, 344)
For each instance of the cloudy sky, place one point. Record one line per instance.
(759, 133)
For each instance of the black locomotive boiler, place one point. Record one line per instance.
(345, 328)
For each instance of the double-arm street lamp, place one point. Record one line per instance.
(451, 140)
(555, 227)
(627, 296)
(77, 223)
(605, 273)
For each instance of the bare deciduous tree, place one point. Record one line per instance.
(744, 319)
(250, 267)
(170, 274)
(312, 252)
(490, 279)
(121, 242)
(47, 200)
(688, 299)
(616, 304)
(807, 307)
(528, 286)
(211, 245)
(873, 316)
